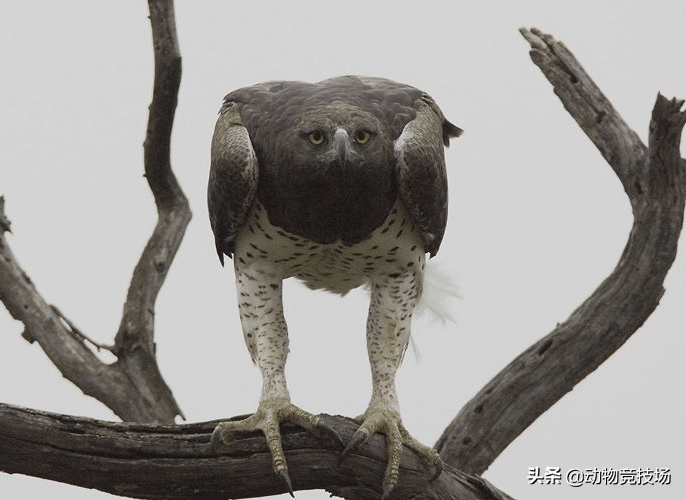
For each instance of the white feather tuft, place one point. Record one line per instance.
(439, 290)
(438, 294)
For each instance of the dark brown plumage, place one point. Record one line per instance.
(314, 198)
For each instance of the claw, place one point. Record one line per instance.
(331, 432)
(286, 479)
(267, 419)
(217, 442)
(387, 490)
(438, 469)
(358, 438)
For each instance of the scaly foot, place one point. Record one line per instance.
(266, 419)
(389, 423)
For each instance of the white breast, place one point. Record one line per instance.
(395, 247)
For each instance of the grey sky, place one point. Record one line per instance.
(537, 219)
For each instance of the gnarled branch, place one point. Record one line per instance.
(134, 342)
(132, 387)
(178, 462)
(43, 324)
(654, 178)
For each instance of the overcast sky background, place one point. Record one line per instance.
(537, 218)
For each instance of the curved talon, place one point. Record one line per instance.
(331, 432)
(358, 438)
(267, 419)
(389, 424)
(217, 441)
(438, 469)
(286, 479)
(387, 490)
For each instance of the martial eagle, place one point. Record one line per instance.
(340, 183)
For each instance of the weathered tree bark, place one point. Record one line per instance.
(134, 343)
(178, 462)
(654, 179)
(132, 387)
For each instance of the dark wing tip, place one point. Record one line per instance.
(450, 131)
(433, 246)
(220, 254)
(222, 251)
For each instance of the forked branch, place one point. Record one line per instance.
(134, 343)
(132, 387)
(654, 178)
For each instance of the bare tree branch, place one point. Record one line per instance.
(42, 324)
(654, 178)
(75, 331)
(132, 387)
(177, 462)
(134, 342)
(4, 221)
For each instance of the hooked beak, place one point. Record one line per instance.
(341, 144)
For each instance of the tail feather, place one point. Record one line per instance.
(438, 291)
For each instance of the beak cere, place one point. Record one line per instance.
(341, 144)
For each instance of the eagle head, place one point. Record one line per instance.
(335, 142)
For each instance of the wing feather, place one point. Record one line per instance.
(233, 179)
(420, 169)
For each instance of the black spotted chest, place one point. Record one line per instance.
(395, 248)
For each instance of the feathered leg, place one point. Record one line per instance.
(266, 335)
(393, 299)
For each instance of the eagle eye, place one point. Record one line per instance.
(362, 137)
(316, 137)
